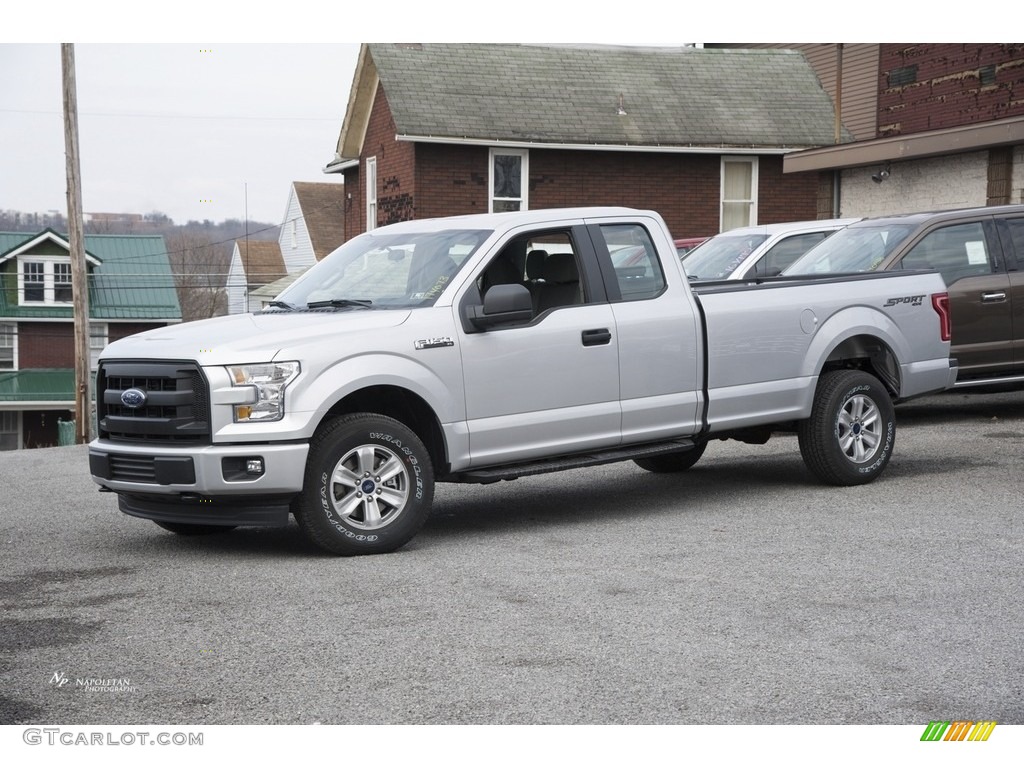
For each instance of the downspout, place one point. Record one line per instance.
(836, 174)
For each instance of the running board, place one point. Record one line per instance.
(992, 381)
(576, 461)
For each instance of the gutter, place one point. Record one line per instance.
(690, 149)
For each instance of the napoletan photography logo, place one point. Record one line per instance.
(93, 684)
(958, 730)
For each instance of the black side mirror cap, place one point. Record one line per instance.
(503, 304)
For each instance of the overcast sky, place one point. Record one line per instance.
(194, 131)
(215, 131)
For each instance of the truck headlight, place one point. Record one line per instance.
(268, 382)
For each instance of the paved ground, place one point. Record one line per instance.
(738, 592)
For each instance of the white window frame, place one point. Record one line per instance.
(371, 193)
(49, 281)
(750, 201)
(524, 180)
(99, 334)
(13, 334)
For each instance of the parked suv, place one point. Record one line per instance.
(760, 251)
(980, 254)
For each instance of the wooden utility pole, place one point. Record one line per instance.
(76, 241)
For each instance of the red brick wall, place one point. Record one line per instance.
(947, 89)
(684, 189)
(785, 197)
(46, 345)
(52, 345)
(117, 331)
(450, 179)
(395, 170)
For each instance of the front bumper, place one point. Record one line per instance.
(201, 483)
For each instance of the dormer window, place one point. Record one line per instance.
(33, 282)
(44, 280)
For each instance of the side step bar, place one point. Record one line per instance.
(992, 381)
(575, 461)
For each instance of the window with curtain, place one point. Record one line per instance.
(739, 192)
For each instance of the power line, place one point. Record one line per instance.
(164, 116)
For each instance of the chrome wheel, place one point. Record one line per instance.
(369, 487)
(859, 428)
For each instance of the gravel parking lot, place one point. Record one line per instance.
(740, 592)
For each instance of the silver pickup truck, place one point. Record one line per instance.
(492, 347)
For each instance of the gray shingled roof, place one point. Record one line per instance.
(569, 94)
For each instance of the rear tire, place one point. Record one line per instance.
(673, 462)
(849, 437)
(368, 487)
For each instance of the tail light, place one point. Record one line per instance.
(940, 302)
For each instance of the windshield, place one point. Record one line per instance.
(718, 257)
(385, 271)
(854, 249)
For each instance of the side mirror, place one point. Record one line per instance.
(503, 304)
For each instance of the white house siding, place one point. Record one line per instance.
(236, 284)
(297, 251)
(929, 184)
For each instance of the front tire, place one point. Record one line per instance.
(849, 437)
(368, 487)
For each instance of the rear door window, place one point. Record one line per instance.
(635, 260)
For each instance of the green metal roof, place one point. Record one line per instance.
(133, 279)
(38, 385)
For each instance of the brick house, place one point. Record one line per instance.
(131, 289)
(698, 135)
(313, 227)
(933, 126)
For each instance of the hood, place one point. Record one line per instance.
(249, 338)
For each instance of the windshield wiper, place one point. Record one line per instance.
(281, 304)
(364, 303)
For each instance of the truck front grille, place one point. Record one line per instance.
(174, 405)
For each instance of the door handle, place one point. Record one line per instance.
(596, 336)
(993, 298)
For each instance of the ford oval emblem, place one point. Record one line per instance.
(133, 398)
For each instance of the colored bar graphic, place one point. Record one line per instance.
(982, 731)
(958, 730)
(935, 730)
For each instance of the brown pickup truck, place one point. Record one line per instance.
(980, 254)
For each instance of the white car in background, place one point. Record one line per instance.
(764, 250)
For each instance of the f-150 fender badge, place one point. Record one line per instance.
(439, 341)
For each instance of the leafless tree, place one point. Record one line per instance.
(200, 268)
